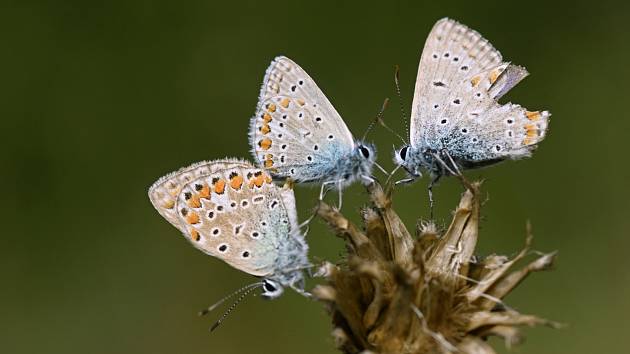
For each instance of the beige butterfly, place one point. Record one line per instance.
(232, 210)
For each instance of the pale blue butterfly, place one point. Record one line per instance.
(456, 119)
(296, 133)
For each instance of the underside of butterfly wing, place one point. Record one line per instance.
(296, 132)
(232, 211)
(460, 79)
(452, 54)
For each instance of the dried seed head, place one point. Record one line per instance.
(429, 294)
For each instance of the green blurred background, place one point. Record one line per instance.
(99, 99)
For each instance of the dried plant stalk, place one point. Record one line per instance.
(398, 294)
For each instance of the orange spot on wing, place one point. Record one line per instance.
(169, 204)
(285, 102)
(265, 129)
(528, 141)
(192, 218)
(300, 102)
(494, 75)
(532, 133)
(194, 234)
(268, 179)
(205, 191)
(257, 180)
(265, 144)
(268, 161)
(267, 118)
(236, 182)
(219, 186)
(271, 108)
(194, 201)
(534, 116)
(475, 81)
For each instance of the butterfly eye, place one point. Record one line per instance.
(364, 151)
(403, 153)
(269, 287)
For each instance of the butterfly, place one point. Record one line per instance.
(296, 133)
(233, 211)
(456, 119)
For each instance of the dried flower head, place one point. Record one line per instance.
(395, 293)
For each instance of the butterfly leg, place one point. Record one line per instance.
(445, 165)
(306, 226)
(458, 173)
(300, 290)
(368, 179)
(391, 174)
(434, 180)
(321, 191)
(404, 181)
(340, 191)
(450, 158)
(339, 186)
(306, 222)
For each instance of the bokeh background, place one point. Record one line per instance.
(100, 98)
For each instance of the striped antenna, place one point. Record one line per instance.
(400, 100)
(216, 304)
(233, 306)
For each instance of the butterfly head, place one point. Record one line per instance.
(362, 161)
(289, 267)
(365, 152)
(271, 289)
(400, 155)
(274, 286)
(406, 158)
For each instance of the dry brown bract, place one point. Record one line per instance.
(396, 294)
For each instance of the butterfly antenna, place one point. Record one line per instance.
(382, 123)
(381, 168)
(233, 306)
(378, 118)
(391, 174)
(218, 303)
(400, 100)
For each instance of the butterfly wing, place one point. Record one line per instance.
(163, 193)
(460, 78)
(502, 132)
(230, 210)
(296, 132)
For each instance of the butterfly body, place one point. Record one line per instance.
(338, 164)
(428, 159)
(296, 133)
(456, 116)
(233, 211)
